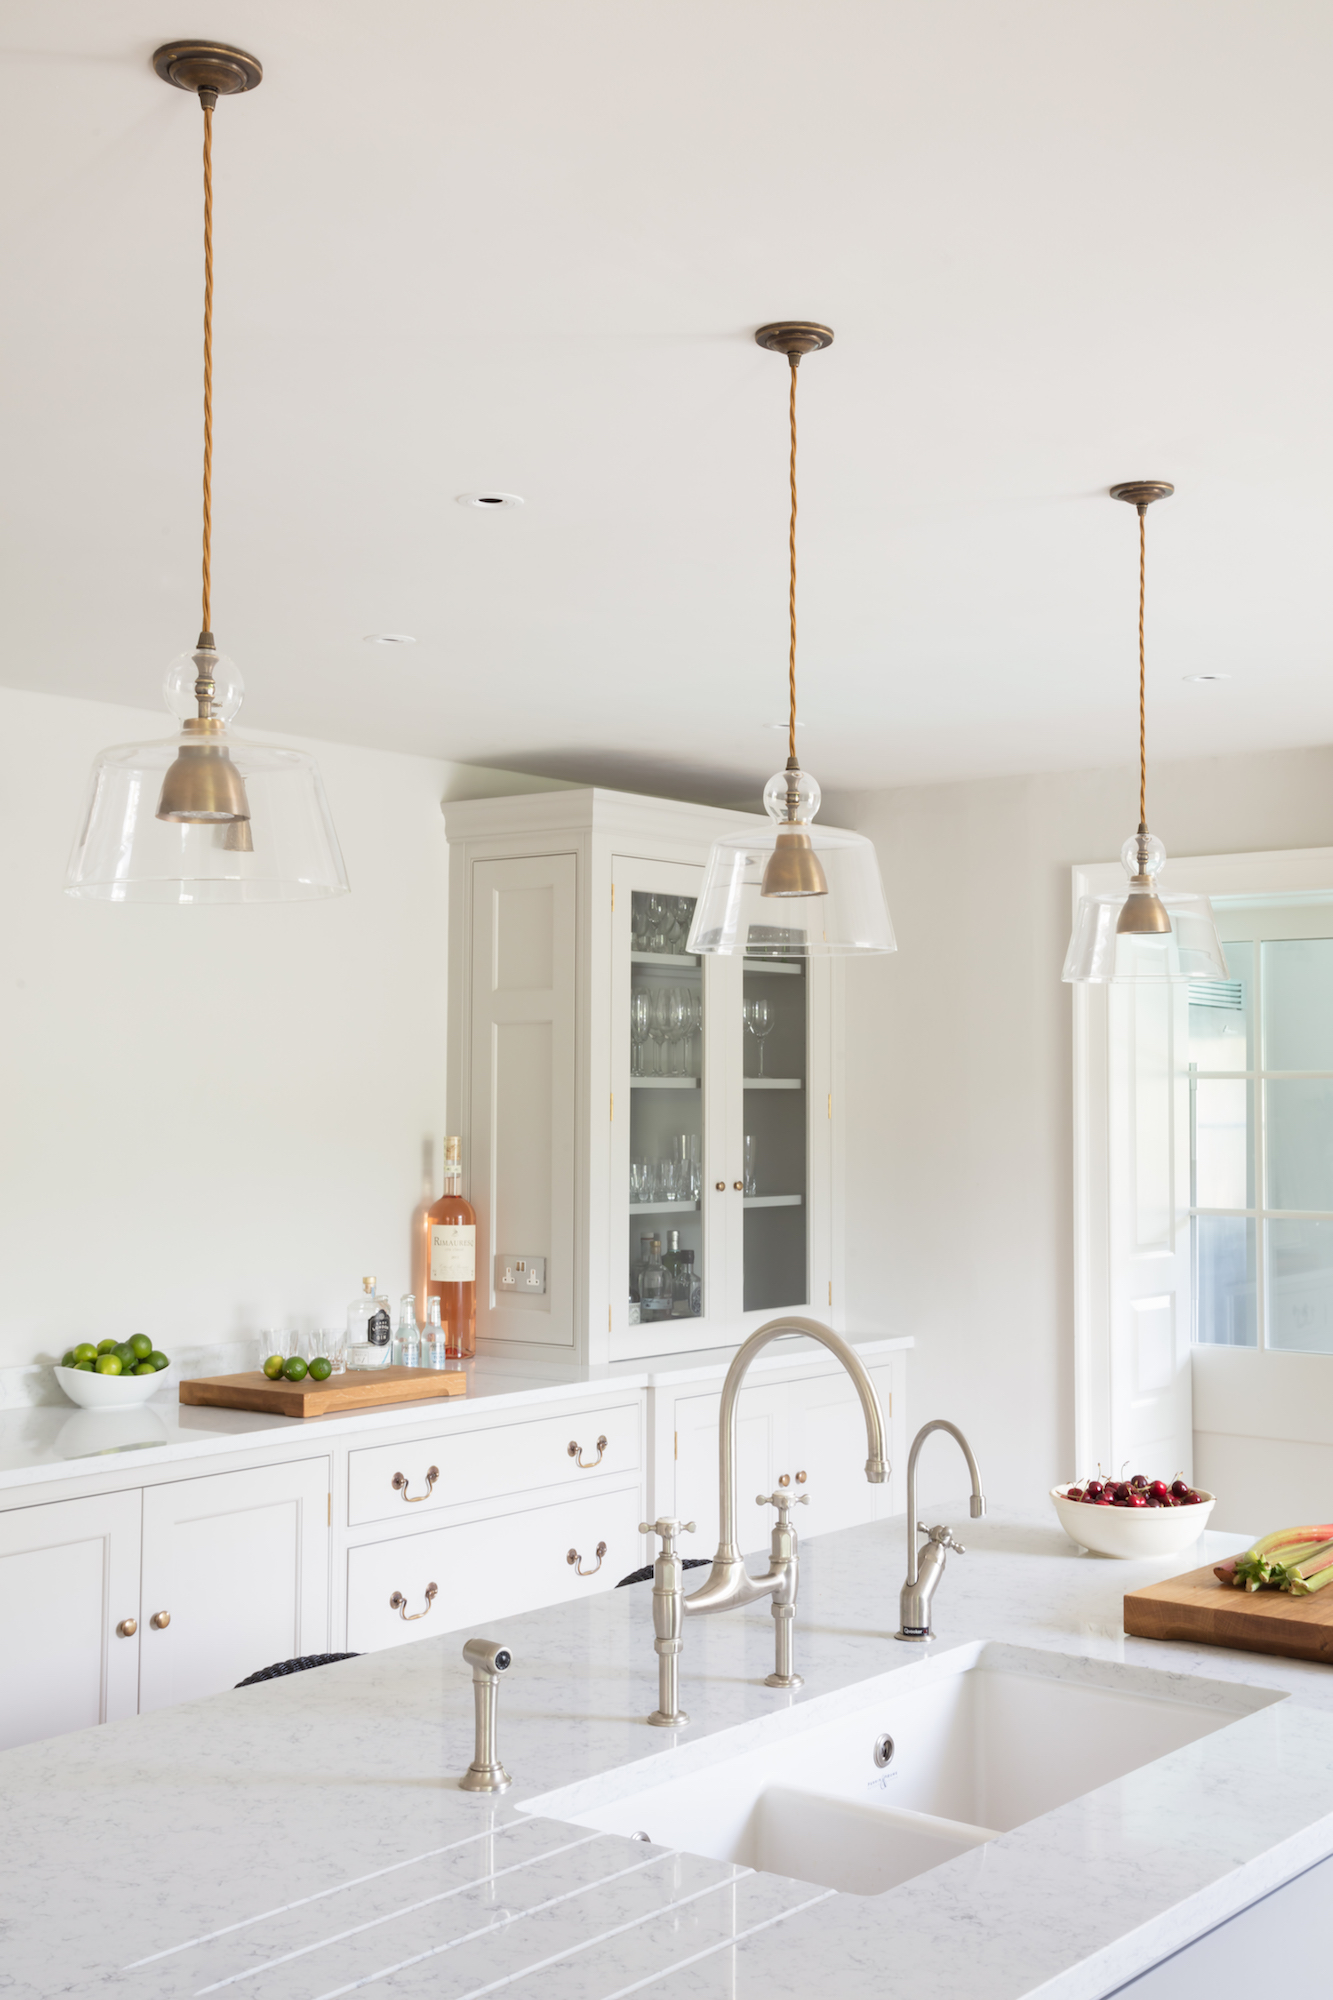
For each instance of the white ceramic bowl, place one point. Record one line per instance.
(1132, 1532)
(112, 1392)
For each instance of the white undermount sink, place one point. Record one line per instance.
(984, 1737)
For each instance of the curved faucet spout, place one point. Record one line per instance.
(729, 1582)
(977, 1505)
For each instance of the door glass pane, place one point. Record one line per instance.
(774, 1070)
(1300, 1286)
(1223, 1169)
(1300, 1142)
(1220, 1014)
(1298, 1004)
(664, 1269)
(1224, 1281)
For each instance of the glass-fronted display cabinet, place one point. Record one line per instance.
(716, 1147)
(653, 1133)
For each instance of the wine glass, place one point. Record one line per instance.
(751, 1183)
(659, 1025)
(656, 913)
(759, 1020)
(678, 1019)
(640, 1017)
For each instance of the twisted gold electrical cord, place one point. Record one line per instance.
(791, 588)
(1143, 723)
(208, 362)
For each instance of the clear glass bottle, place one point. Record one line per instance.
(450, 1257)
(407, 1334)
(654, 1286)
(671, 1257)
(368, 1328)
(645, 1248)
(686, 1290)
(434, 1352)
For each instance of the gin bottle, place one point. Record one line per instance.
(368, 1328)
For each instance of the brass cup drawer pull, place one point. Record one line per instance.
(576, 1560)
(400, 1483)
(398, 1603)
(127, 1628)
(576, 1453)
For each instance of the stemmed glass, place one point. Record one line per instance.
(678, 1019)
(656, 909)
(659, 1025)
(759, 1021)
(640, 1020)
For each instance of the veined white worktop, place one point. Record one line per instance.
(305, 1838)
(55, 1441)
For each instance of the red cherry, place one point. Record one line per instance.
(1103, 1503)
(1180, 1489)
(1193, 1499)
(1091, 1500)
(1159, 1489)
(1094, 1489)
(1074, 1493)
(1138, 1480)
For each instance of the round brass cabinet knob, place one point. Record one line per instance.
(160, 1620)
(127, 1628)
(800, 1479)
(739, 1186)
(721, 1187)
(784, 1479)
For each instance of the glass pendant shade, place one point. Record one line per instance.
(791, 888)
(1141, 933)
(205, 816)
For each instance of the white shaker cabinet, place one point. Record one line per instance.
(235, 1577)
(69, 1615)
(612, 1087)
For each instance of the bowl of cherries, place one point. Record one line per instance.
(1133, 1517)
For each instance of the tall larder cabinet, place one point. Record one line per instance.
(651, 1139)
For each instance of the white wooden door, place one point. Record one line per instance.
(239, 1565)
(761, 1440)
(69, 1577)
(521, 1177)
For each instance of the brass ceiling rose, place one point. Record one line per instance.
(193, 65)
(794, 337)
(1141, 493)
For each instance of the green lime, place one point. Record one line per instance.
(143, 1368)
(294, 1369)
(67, 1359)
(106, 1347)
(84, 1367)
(142, 1345)
(321, 1368)
(85, 1351)
(159, 1360)
(273, 1367)
(110, 1364)
(124, 1353)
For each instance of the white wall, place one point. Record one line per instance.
(959, 1204)
(213, 1119)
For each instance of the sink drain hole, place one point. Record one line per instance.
(883, 1751)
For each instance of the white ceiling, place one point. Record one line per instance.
(509, 244)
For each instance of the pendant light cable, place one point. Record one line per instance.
(791, 588)
(208, 98)
(1143, 717)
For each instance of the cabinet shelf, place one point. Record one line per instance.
(669, 961)
(664, 1083)
(781, 965)
(673, 1207)
(772, 1201)
(774, 1082)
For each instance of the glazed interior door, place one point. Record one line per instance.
(667, 1273)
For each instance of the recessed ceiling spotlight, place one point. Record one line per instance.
(489, 499)
(389, 638)
(1205, 677)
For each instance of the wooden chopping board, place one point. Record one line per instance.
(1200, 1610)
(357, 1389)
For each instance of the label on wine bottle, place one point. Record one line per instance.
(453, 1253)
(377, 1329)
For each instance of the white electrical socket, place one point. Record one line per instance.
(520, 1274)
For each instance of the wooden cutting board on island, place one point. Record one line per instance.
(357, 1389)
(1198, 1609)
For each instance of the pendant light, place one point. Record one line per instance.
(1139, 933)
(791, 888)
(205, 816)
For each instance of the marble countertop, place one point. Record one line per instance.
(42, 1442)
(305, 1838)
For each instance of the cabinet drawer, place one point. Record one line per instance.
(488, 1464)
(484, 1570)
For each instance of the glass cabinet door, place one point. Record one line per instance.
(774, 1026)
(663, 1274)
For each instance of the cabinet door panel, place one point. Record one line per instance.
(826, 1441)
(484, 1570)
(760, 1436)
(240, 1563)
(69, 1573)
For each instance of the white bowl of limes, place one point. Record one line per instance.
(114, 1374)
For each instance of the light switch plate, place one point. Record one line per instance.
(520, 1274)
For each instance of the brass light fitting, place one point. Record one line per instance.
(1144, 913)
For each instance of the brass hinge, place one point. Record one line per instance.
(675, 1444)
(330, 1510)
(830, 1291)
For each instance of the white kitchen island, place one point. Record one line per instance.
(306, 1838)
